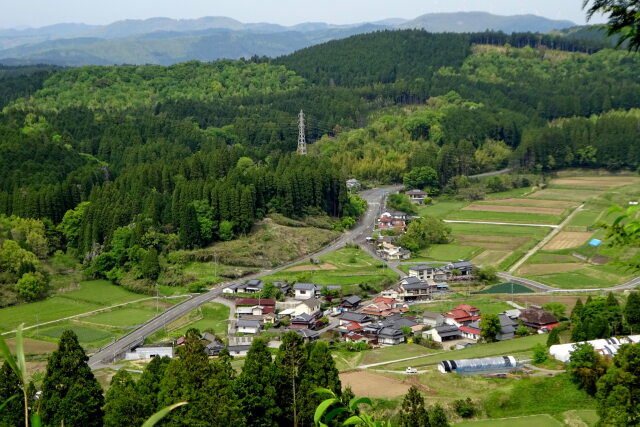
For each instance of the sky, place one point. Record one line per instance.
(37, 13)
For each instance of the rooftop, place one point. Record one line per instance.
(304, 287)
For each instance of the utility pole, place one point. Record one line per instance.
(302, 142)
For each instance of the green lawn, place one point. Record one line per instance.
(528, 421)
(352, 267)
(584, 218)
(516, 347)
(87, 336)
(123, 317)
(486, 305)
(91, 296)
(499, 230)
(394, 352)
(513, 193)
(513, 217)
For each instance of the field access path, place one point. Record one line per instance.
(375, 200)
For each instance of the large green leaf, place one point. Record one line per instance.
(8, 357)
(353, 421)
(322, 408)
(36, 421)
(153, 419)
(20, 360)
(334, 413)
(353, 404)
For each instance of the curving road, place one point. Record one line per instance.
(375, 199)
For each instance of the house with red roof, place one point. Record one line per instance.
(383, 307)
(462, 315)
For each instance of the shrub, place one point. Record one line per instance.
(464, 407)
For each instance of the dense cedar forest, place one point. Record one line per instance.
(122, 164)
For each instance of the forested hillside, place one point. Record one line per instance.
(129, 163)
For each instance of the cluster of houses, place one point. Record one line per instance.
(463, 322)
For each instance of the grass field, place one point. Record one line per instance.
(448, 252)
(543, 420)
(513, 217)
(352, 268)
(91, 296)
(520, 347)
(394, 352)
(506, 288)
(209, 317)
(87, 335)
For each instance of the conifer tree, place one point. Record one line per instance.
(321, 368)
(632, 311)
(292, 390)
(576, 313)
(123, 405)
(437, 416)
(413, 412)
(190, 228)
(13, 413)
(255, 387)
(149, 385)
(70, 393)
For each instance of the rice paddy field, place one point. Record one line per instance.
(575, 201)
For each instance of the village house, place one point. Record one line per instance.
(351, 303)
(255, 306)
(462, 315)
(303, 321)
(411, 289)
(392, 220)
(150, 351)
(464, 268)
(308, 335)
(429, 272)
(383, 307)
(239, 350)
(537, 318)
(432, 318)
(508, 327)
(443, 333)
(350, 316)
(391, 252)
(309, 306)
(304, 291)
(416, 196)
(248, 326)
(390, 336)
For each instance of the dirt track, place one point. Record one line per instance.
(311, 267)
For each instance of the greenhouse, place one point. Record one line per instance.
(473, 366)
(607, 347)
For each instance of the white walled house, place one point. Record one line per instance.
(304, 291)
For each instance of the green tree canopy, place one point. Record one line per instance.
(413, 411)
(618, 402)
(586, 367)
(70, 393)
(490, 327)
(123, 403)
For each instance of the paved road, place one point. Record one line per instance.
(375, 199)
(494, 173)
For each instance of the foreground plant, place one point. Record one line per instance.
(323, 419)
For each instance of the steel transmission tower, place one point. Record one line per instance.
(302, 142)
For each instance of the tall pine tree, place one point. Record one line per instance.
(293, 392)
(70, 393)
(149, 385)
(123, 406)
(13, 413)
(255, 387)
(632, 312)
(413, 412)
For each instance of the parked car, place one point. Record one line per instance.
(411, 370)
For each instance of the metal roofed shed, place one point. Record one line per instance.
(477, 366)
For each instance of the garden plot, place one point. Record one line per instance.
(365, 383)
(566, 240)
(514, 209)
(592, 181)
(536, 269)
(490, 258)
(574, 195)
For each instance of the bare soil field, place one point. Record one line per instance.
(591, 181)
(365, 383)
(32, 346)
(567, 239)
(518, 209)
(311, 267)
(531, 202)
(534, 269)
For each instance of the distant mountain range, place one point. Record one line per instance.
(168, 41)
